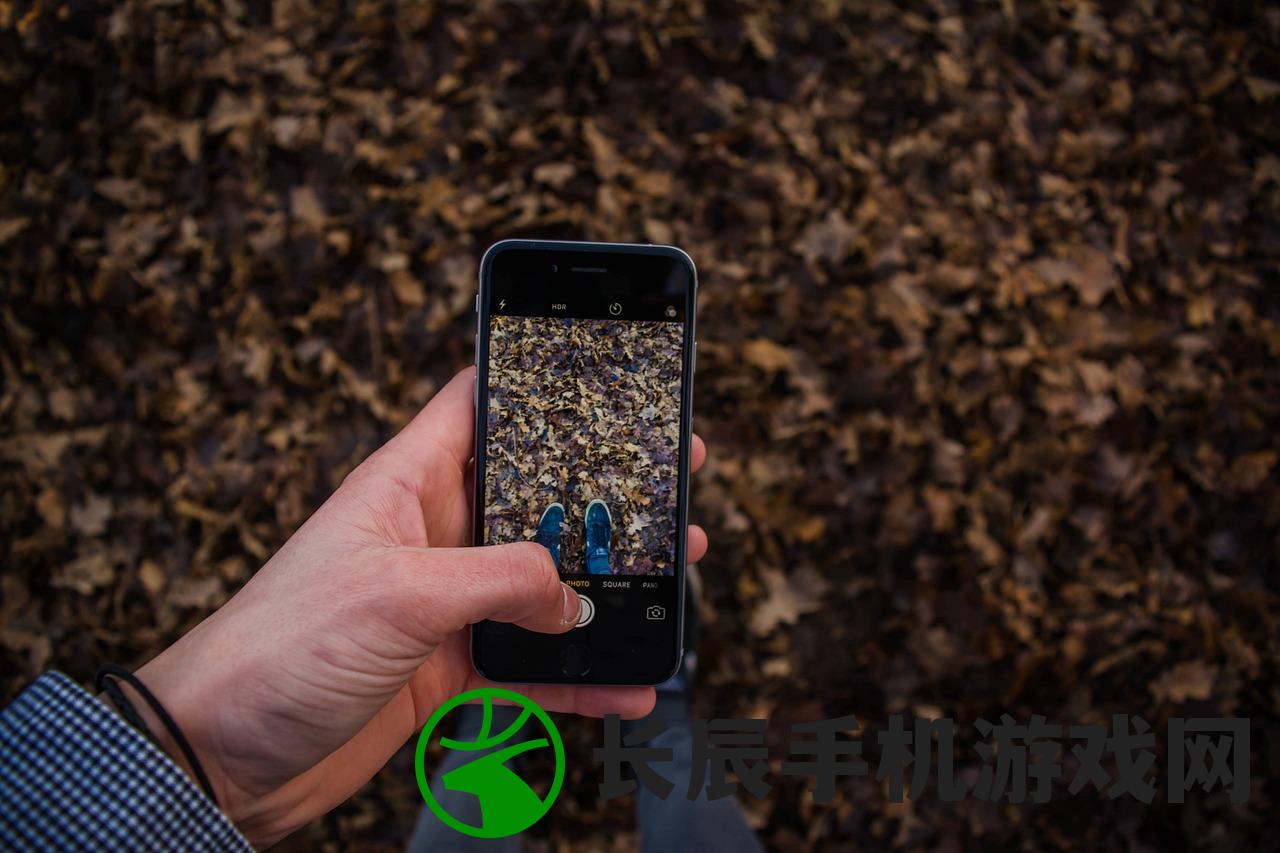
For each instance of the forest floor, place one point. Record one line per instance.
(581, 410)
(989, 357)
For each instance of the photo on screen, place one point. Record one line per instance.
(583, 441)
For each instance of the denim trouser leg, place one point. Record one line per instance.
(431, 834)
(676, 823)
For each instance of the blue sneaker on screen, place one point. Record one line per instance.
(548, 535)
(599, 526)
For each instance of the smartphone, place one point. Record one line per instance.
(584, 389)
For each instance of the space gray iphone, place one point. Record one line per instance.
(585, 357)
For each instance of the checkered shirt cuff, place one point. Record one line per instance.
(75, 776)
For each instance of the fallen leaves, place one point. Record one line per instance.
(86, 574)
(1086, 269)
(580, 410)
(828, 240)
(767, 355)
(1190, 680)
(90, 518)
(787, 598)
(987, 364)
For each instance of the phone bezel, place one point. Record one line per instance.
(688, 357)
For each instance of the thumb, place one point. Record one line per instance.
(515, 583)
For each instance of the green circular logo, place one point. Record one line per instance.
(507, 803)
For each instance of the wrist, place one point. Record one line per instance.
(138, 704)
(232, 759)
(149, 723)
(217, 747)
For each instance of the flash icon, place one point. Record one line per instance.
(502, 304)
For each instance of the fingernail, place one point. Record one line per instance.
(572, 605)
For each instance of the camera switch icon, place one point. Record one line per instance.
(654, 613)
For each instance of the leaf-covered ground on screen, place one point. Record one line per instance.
(579, 410)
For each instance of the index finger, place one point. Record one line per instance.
(445, 424)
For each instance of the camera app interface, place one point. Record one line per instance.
(583, 434)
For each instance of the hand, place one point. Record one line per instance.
(305, 683)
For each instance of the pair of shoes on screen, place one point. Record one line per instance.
(599, 534)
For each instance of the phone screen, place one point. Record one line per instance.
(583, 440)
(585, 356)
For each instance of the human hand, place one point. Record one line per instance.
(308, 680)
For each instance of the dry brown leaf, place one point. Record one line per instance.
(1188, 680)
(787, 598)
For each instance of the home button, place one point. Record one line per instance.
(576, 660)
